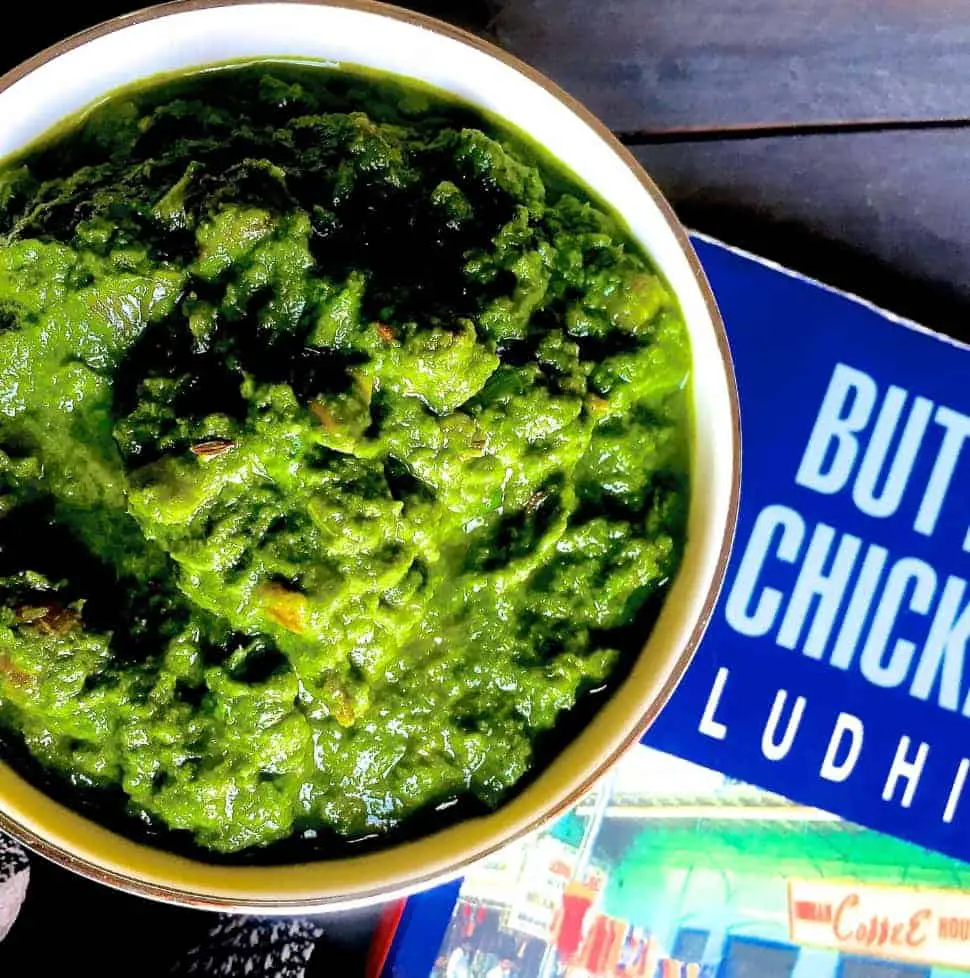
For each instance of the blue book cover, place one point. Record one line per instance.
(833, 668)
(831, 676)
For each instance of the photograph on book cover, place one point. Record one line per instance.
(670, 870)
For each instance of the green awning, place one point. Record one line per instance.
(828, 850)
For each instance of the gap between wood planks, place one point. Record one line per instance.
(742, 132)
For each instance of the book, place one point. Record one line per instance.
(832, 671)
(832, 675)
(670, 870)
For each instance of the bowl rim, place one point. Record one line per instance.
(678, 663)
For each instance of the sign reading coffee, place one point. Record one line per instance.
(918, 925)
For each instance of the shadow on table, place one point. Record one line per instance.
(71, 926)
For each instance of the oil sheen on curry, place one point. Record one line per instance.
(344, 456)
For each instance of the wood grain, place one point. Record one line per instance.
(658, 65)
(882, 214)
(663, 65)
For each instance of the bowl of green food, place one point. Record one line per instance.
(369, 452)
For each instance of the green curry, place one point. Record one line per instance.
(344, 451)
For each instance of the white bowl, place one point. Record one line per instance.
(71, 75)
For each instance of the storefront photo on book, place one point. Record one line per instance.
(670, 870)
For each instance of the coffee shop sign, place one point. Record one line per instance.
(918, 925)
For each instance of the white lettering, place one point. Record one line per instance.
(813, 582)
(834, 769)
(957, 431)
(923, 578)
(945, 648)
(864, 492)
(708, 725)
(956, 791)
(762, 618)
(775, 750)
(905, 770)
(832, 446)
(866, 588)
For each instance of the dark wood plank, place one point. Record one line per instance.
(668, 64)
(660, 65)
(885, 215)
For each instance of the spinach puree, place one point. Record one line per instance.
(344, 450)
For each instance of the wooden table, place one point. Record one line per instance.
(829, 135)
